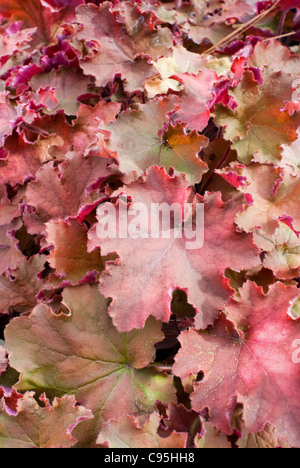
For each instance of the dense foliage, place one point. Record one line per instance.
(143, 342)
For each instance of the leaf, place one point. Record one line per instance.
(195, 98)
(18, 290)
(247, 357)
(57, 5)
(264, 53)
(52, 127)
(282, 251)
(267, 438)
(127, 433)
(68, 85)
(212, 438)
(182, 152)
(164, 264)
(200, 21)
(10, 255)
(180, 419)
(259, 125)
(71, 183)
(164, 14)
(41, 427)
(119, 48)
(83, 354)
(3, 358)
(271, 195)
(31, 13)
(156, 86)
(70, 257)
(288, 4)
(184, 117)
(9, 209)
(88, 122)
(10, 44)
(182, 61)
(34, 13)
(82, 136)
(135, 136)
(138, 138)
(9, 116)
(23, 159)
(217, 154)
(290, 157)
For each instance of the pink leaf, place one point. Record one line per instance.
(248, 357)
(161, 265)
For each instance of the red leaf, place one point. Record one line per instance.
(11, 43)
(70, 183)
(36, 13)
(194, 100)
(34, 426)
(164, 264)
(83, 354)
(18, 290)
(248, 357)
(69, 257)
(10, 255)
(23, 159)
(121, 46)
(9, 116)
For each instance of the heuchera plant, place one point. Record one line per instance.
(139, 340)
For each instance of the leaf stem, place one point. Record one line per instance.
(282, 21)
(219, 166)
